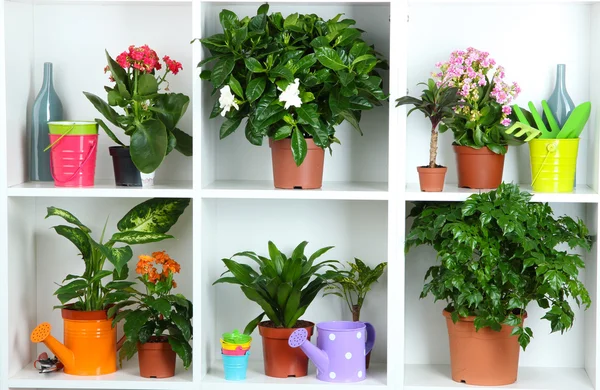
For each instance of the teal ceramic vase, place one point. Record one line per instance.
(46, 108)
(560, 102)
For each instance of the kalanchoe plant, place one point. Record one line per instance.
(484, 117)
(437, 103)
(147, 222)
(498, 252)
(149, 315)
(353, 285)
(295, 77)
(149, 116)
(284, 287)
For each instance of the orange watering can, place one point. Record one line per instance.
(90, 342)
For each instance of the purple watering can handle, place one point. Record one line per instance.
(370, 337)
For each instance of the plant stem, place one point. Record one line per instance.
(433, 146)
(136, 104)
(355, 313)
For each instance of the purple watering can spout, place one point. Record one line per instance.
(300, 339)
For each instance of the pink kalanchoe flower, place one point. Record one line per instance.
(505, 122)
(174, 66)
(123, 60)
(507, 110)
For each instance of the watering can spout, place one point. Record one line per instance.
(41, 334)
(300, 339)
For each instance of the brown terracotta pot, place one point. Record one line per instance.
(156, 359)
(432, 179)
(478, 168)
(281, 360)
(309, 175)
(484, 358)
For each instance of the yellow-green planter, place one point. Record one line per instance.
(553, 163)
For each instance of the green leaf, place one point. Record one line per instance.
(253, 65)
(155, 215)
(283, 72)
(305, 62)
(299, 147)
(292, 22)
(283, 132)
(254, 296)
(161, 305)
(183, 324)
(117, 72)
(134, 322)
(291, 308)
(229, 126)
(258, 23)
(320, 42)
(100, 275)
(347, 36)
(263, 9)
(135, 237)
(72, 287)
(67, 216)
(349, 116)
(183, 349)
(78, 237)
(308, 114)
(236, 86)
(329, 58)
(128, 349)
(119, 285)
(108, 132)
(106, 110)
(228, 19)
(170, 108)
(148, 146)
(255, 89)
(346, 77)
(253, 324)
(184, 142)
(117, 256)
(147, 84)
(221, 71)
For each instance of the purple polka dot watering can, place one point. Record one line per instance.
(341, 349)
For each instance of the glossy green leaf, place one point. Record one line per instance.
(155, 215)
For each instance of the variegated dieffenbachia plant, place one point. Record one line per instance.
(147, 222)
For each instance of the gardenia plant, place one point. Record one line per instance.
(295, 77)
(483, 118)
(149, 117)
(149, 315)
(498, 252)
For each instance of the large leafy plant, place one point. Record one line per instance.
(295, 77)
(147, 222)
(437, 103)
(353, 285)
(499, 252)
(149, 116)
(284, 287)
(148, 315)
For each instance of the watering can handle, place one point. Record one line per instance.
(78, 169)
(370, 337)
(121, 342)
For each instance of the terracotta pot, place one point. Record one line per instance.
(478, 168)
(287, 175)
(484, 358)
(281, 360)
(156, 358)
(432, 179)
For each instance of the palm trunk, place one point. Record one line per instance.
(355, 313)
(433, 147)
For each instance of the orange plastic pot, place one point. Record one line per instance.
(478, 168)
(309, 175)
(90, 342)
(281, 360)
(485, 357)
(156, 359)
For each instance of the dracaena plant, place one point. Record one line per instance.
(484, 118)
(437, 103)
(353, 285)
(148, 315)
(147, 222)
(294, 77)
(149, 116)
(283, 286)
(498, 252)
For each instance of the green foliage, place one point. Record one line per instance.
(149, 117)
(87, 292)
(498, 252)
(284, 287)
(437, 104)
(353, 285)
(259, 56)
(148, 315)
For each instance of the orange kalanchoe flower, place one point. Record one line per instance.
(145, 266)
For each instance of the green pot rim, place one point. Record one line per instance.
(73, 127)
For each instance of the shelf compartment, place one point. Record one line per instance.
(126, 377)
(437, 377)
(263, 189)
(215, 379)
(104, 188)
(452, 193)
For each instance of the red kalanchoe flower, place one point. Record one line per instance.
(173, 65)
(123, 60)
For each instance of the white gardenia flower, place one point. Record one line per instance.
(227, 100)
(291, 95)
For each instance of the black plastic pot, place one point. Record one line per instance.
(126, 173)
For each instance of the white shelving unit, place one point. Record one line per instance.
(370, 181)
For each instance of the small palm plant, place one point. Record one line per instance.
(283, 287)
(353, 285)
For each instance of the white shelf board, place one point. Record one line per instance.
(437, 377)
(126, 378)
(106, 2)
(258, 189)
(103, 189)
(451, 193)
(215, 379)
